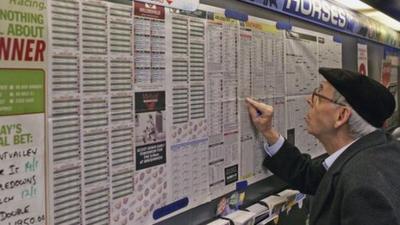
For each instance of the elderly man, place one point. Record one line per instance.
(359, 182)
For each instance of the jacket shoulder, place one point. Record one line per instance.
(375, 166)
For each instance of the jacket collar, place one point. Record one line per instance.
(377, 137)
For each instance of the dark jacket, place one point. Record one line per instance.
(362, 187)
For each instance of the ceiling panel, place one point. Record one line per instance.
(389, 7)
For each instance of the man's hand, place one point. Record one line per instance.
(261, 114)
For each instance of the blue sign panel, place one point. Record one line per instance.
(328, 14)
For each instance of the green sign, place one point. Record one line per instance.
(22, 91)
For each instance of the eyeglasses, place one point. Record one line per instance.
(316, 94)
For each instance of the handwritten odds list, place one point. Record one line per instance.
(22, 170)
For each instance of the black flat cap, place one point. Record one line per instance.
(370, 99)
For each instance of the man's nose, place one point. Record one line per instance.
(308, 100)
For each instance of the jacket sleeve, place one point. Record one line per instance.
(298, 170)
(367, 206)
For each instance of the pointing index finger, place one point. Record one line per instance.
(253, 103)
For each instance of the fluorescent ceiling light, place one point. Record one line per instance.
(367, 10)
(385, 19)
(354, 4)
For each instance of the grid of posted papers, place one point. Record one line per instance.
(146, 105)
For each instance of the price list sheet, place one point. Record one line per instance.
(262, 78)
(301, 62)
(187, 104)
(222, 103)
(150, 46)
(91, 110)
(148, 118)
(329, 52)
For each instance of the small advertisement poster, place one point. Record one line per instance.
(23, 43)
(150, 129)
(386, 73)
(362, 59)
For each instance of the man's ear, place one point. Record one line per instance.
(342, 116)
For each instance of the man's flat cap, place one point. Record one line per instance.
(370, 99)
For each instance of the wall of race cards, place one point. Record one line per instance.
(122, 111)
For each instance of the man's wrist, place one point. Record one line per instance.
(271, 136)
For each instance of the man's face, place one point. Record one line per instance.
(320, 118)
